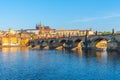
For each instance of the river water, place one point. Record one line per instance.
(25, 64)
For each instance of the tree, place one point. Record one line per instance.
(106, 32)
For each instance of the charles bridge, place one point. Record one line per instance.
(97, 42)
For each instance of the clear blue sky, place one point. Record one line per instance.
(101, 15)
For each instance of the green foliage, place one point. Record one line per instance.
(32, 36)
(106, 32)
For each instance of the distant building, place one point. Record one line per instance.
(13, 38)
(98, 33)
(32, 31)
(74, 32)
(1, 33)
(67, 32)
(117, 32)
(28, 31)
(45, 29)
(10, 40)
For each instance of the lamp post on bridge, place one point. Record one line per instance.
(86, 39)
(96, 33)
(113, 31)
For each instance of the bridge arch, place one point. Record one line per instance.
(52, 41)
(63, 41)
(99, 42)
(77, 40)
(42, 41)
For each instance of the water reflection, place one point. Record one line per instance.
(11, 53)
(24, 49)
(10, 49)
(101, 56)
(14, 49)
(79, 52)
(25, 64)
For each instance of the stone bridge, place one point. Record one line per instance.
(111, 42)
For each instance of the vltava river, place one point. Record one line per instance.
(25, 64)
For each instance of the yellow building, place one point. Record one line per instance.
(10, 41)
(11, 38)
(24, 41)
(14, 41)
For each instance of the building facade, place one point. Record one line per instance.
(45, 29)
(67, 33)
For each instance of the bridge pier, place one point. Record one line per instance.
(61, 46)
(113, 46)
(46, 47)
(77, 47)
(36, 47)
(34, 44)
